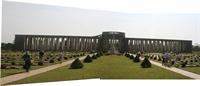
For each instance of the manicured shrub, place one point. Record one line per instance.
(128, 55)
(151, 57)
(76, 64)
(131, 57)
(4, 66)
(58, 59)
(13, 67)
(159, 59)
(40, 63)
(155, 58)
(51, 61)
(183, 64)
(65, 58)
(94, 56)
(13, 63)
(146, 63)
(137, 58)
(97, 55)
(46, 59)
(88, 59)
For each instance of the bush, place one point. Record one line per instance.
(88, 59)
(94, 56)
(155, 58)
(65, 58)
(131, 57)
(14, 67)
(128, 55)
(4, 66)
(183, 64)
(137, 58)
(146, 63)
(159, 59)
(13, 63)
(51, 61)
(97, 55)
(76, 64)
(125, 54)
(58, 59)
(151, 57)
(40, 63)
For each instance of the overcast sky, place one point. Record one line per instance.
(26, 18)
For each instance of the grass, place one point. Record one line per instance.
(9, 55)
(192, 69)
(7, 72)
(105, 67)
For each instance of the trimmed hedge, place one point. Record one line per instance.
(137, 58)
(51, 61)
(40, 63)
(95, 57)
(76, 64)
(88, 59)
(4, 66)
(146, 63)
(131, 57)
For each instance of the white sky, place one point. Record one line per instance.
(170, 19)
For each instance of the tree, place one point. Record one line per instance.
(7, 46)
(196, 48)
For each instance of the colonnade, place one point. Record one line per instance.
(158, 45)
(94, 43)
(61, 43)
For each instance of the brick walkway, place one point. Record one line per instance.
(19, 76)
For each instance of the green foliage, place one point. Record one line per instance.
(146, 63)
(40, 63)
(4, 66)
(183, 64)
(95, 57)
(51, 61)
(127, 55)
(159, 59)
(131, 57)
(76, 64)
(137, 58)
(88, 59)
(155, 58)
(65, 58)
(13, 63)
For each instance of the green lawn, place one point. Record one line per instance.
(192, 69)
(7, 72)
(105, 67)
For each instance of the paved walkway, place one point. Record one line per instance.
(177, 70)
(19, 76)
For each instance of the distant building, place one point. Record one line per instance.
(107, 42)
